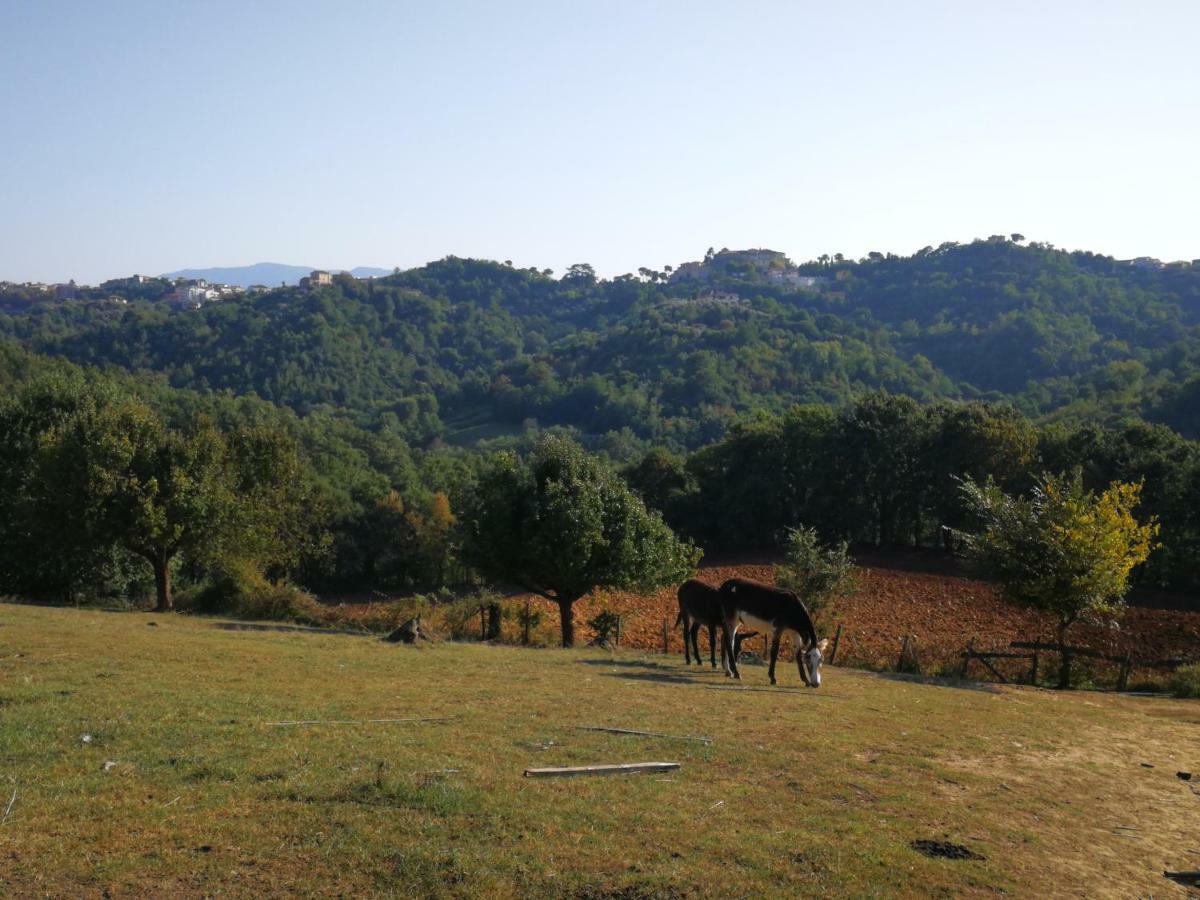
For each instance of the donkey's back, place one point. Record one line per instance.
(700, 602)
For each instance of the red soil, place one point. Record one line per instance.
(941, 612)
(897, 596)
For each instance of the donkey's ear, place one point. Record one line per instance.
(822, 644)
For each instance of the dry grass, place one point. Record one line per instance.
(802, 793)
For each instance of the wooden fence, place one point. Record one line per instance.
(1126, 662)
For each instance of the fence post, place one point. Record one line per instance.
(903, 653)
(967, 658)
(837, 639)
(1123, 678)
(665, 650)
(525, 633)
(618, 638)
(1033, 672)
(482, 623)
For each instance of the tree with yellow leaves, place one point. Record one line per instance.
(1065, 549)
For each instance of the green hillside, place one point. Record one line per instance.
(673, 358)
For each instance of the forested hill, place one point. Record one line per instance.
(460, 349)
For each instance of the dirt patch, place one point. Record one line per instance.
(938, 606)
(942, 612)
(945, 850)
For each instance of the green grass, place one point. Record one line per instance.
(801, 793)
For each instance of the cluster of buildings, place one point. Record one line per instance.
(192, 293)
(1149, 262)
(179, 293)
(762, 266)
(317, 278)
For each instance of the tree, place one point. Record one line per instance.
(281, 514)
(977, 441)
(580, 273)
(154, 490)
(877, 452)
(48, 545)
(92, 479)
(560, 524)
(1065, 549)
(661, 479)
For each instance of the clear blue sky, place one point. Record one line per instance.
(149, 136)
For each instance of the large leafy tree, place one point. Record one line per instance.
(1064, 549)
(94, 479)
(156, 491)
(877, 457)
(49, 545)
(560, 523)
(977, 441)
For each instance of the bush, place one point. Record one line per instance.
(819, 575)
(381, 618)
(604, 623)
(528, 617)
(1185, 682)
(462, 617)
(239, 589)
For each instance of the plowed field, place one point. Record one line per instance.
(941, 612)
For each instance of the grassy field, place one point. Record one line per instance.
(184, 788)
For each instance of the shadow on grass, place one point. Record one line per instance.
(629, 664)
(963, 684)
(302, 629)
(770, 689)
(660, 678)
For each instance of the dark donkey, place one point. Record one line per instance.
(700, 604)
(774, 611)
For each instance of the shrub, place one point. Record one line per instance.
(818, 574)
(240, 589)
(1185, 682)
(473, 617)
(604, 623)
(529, 617)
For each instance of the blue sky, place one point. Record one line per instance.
(150, 136)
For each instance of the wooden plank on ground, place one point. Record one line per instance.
(655, 734)
(617, 769)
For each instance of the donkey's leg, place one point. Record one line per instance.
(801, 646)
(728, 630)
(687, 626)
(774, 652)
(695, 633)
(712, 643)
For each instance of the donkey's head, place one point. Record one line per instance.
(808, 661)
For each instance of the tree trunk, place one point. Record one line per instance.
(162, 583)
(566, 615)
(493, 622)
(1064, 669)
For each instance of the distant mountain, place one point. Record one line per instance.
(270, 274)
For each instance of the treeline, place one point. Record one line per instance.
(885, 470)
(121, 486)
(89, 461)
(459, 350)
